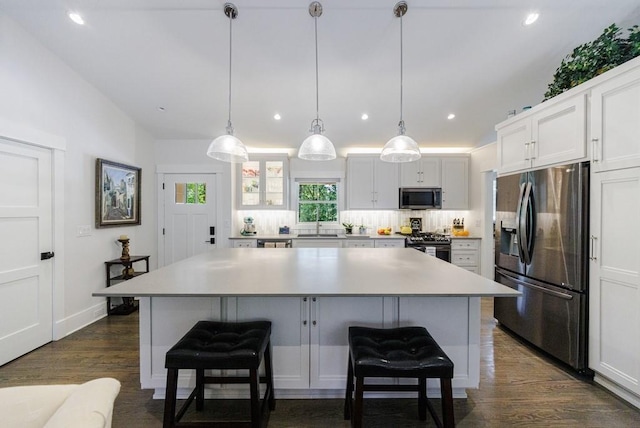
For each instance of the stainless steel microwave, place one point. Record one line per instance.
(420, 198)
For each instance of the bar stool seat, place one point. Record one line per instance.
(406, 352)
(213, 345)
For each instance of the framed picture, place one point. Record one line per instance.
(117, 194)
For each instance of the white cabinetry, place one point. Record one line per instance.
(371, 183)
(552, 133)
(358, 243)
(388, 243)
(455, 183)
(424, 172)
(614, 318)
(316, 243)
(244, 243)
(311, 352)
(615, 122)
(465, 252)
(262, 183)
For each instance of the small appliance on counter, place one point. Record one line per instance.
(416, 225)
(249, 228)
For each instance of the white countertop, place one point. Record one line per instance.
(309, 271)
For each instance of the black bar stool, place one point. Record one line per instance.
(406, 352)
(212, 345)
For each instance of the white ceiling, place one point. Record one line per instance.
(470, 57)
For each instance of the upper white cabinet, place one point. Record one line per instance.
(615, 122)
(371, 183)
(455, 183)
(262, 182)
(554, 133)
(424, 172)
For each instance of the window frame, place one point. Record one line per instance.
(338, 201)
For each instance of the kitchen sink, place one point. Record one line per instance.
(317, 235)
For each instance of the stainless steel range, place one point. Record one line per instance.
(431, 243)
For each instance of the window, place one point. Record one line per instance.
(318, 201)
(191, 193)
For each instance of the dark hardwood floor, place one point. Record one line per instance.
(518, 387)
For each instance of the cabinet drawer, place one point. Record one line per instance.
(389, 243)
(460, 244)
(359, 243)
(464, 258)
(248, 243)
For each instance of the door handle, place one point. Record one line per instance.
(594, 157)
(210, 241)
(46, 256)
(593, 248)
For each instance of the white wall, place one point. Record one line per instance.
(484, 161)
(42, 93)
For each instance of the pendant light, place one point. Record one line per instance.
(228, 148)
(316, 147)
(401, 148)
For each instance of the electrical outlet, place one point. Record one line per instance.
(83, 231)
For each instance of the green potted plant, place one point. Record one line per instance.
(348, 227)
(591, 59)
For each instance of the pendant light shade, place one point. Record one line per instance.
(401, 148)
(316, 147)
(228, 148)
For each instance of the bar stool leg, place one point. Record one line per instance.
(170, 398)
(268, 370)
(356, 418)
(447, 403)
(255, 397)
(422, 399)
(348, 395)
(199, 389)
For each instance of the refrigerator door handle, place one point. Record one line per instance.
(564, 296)
(519, 236)
(526, 225)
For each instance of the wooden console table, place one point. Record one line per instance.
(128, 303)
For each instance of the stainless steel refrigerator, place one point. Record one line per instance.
(541, 249)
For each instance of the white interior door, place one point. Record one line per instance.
(26, 281)
(189, 215)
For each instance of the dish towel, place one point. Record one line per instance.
(430, 251)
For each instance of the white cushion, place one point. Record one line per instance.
(90, 405)
(31, 406)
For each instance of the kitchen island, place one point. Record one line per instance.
(311, 295)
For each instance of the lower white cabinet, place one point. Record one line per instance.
(245, 243)
(614, 282)
(309, 334)
(316, 243)
(357, 243)
(465, 252)
(388, 243)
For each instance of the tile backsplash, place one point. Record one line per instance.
(269, 221)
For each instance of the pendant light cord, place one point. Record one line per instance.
(401, 123)
(229, 126)
(315, 20)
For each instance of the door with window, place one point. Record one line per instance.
(189, 215)
(26, 280)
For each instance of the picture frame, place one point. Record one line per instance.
(117, 194)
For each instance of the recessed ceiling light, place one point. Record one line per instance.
(76, 17)
(531, 18)
(451, 116)
(277, 116)
(364, 116)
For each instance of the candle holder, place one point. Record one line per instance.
(125, 248)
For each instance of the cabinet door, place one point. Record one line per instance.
(386, 185)
(360, 183)
(455, 183)
(330, 321)
(614, 285)
(615, 123)
(262, 183)
(389, 243)
(513, 146)
(289, 318)
(316, 243)
(421, 173)
(559, 133)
